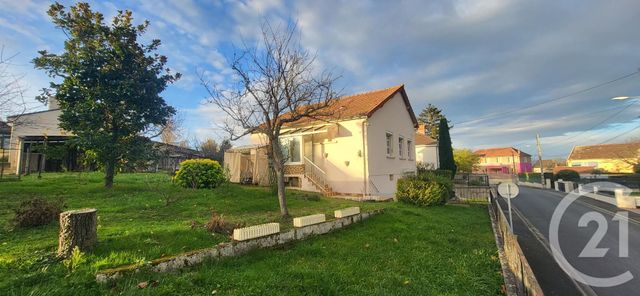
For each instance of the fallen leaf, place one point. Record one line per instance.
(142, 285)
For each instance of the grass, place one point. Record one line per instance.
(446, 250)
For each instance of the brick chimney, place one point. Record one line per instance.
(422, 129)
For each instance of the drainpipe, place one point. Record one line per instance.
(364, 159)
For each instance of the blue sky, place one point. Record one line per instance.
(473, 59)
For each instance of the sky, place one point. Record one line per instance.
(501, 71)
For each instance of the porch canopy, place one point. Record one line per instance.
(307, 130)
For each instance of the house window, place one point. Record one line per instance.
(4, 141)
(401, 147)
(389, 144)
(409, 154)
(292, 148)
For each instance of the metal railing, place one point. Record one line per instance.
(314, 173)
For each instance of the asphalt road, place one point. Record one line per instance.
(535, 207)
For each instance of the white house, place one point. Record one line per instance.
(426, 149)
(361, 151)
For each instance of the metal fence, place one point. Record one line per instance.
(525, 280)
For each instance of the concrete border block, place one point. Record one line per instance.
(346, 212)
(309, 220)
(240, 234)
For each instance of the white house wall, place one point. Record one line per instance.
(384, 170)
(342, 157)
(427, 154)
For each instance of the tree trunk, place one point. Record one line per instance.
(109, 172)
(77, 228)
(281, 196)
(278, 165)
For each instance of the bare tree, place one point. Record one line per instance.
(11, 91)
(172, 131)
(276, 85)
(208, 148)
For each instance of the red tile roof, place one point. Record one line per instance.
(422, 139)
(606, 151)
(361, 105)
(504, 151)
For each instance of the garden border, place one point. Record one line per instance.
(233, 248)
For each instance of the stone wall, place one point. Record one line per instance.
(234, 248)
(295, 169)
(472, 193)
(518, 275)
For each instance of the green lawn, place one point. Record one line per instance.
(406, 250)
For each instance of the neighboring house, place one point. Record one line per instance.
(361, 150)
(426, 148)
(507, 160)
(170, 156)
(35, 129)
(547, 164)
(610, 158)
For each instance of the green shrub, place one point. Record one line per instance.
(37, 212)
(568, 175)
(442, 177)
(424, 189)
(199, 173)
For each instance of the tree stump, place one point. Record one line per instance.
(77, 228)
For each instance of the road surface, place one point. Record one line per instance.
(535, 207)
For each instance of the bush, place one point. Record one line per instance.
(568, 175)
(37, 212)
(424, 189)
(199, 173)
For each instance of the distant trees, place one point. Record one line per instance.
(107, 84)
(430, 117)
(445, 150)
(466, 161)
(171, 132)
(210, 149)
(277, 85)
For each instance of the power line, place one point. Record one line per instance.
(620, 135)
(494, 114)
(601, 122)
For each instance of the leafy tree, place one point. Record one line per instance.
(430, 117)
(466, 160)
(110, 85)
(445, 150)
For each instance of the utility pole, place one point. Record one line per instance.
(540, 160)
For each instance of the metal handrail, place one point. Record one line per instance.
(313, 164)
(315, 174)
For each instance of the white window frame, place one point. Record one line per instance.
(388, 138)
(401, 147)
(409, 154)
